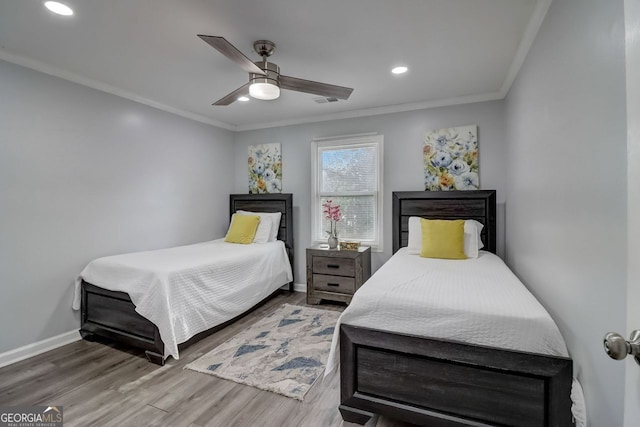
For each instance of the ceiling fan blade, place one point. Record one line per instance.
(230, 51)
(233, 96)
(316, 88)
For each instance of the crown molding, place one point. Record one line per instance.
(540, 10)
(104, 87)
(531, 31)
(376, 111)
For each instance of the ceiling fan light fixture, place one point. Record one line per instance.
(265, 86)
(243, 98)
(264, 90)
(265, 79)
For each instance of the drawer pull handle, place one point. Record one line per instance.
(333, 284)
(333, 266)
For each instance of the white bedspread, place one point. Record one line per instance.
(189, 289)
(476, 301)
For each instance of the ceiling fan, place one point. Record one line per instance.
(265, 80)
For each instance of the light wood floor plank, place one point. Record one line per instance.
(103, 385)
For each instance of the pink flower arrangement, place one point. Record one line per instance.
(331, 212)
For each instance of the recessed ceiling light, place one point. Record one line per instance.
(59, 8)
(399, 70)
(243, 98)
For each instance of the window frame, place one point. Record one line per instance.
(344, 142)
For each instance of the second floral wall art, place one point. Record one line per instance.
(265, 168)
(451, 159)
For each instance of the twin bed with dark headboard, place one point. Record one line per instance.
(112, 314)
(441, 382)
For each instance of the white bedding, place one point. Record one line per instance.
(189, 289)
(476, 301)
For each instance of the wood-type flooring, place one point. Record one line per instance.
(101, 385)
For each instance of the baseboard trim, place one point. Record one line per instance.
(13, 356)
(297, 287)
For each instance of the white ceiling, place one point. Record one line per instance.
(457, 51)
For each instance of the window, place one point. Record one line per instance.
(348, 171)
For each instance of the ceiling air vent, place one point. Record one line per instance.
(324, 100)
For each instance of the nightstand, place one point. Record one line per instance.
(335, 275)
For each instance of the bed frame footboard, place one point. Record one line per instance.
(445, 383)
(112, 315)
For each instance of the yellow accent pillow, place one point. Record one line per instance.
(442, 238)
(242, 229)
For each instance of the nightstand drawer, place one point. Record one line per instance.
(334, 266)
(336, 275)
(343, 285)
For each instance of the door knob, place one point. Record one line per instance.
(618, 348)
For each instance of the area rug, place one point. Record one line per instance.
(285, 352)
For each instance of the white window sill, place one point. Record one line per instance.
(374, 248)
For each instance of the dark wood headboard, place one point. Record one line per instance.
(279, 202)
(477, 204)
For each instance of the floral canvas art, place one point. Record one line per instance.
(265, 168)
(451, 159)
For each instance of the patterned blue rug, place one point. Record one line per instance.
(284, 352)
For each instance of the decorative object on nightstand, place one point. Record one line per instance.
(336, 275)
(332, 213)
(349, 245)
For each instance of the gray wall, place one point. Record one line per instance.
(632, 25)
(85, 174)
(566, 187)
(403, 168)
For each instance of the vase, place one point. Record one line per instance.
(333, 242)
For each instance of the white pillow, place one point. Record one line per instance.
(275, 221)
(472, 240)
(471, 224)
(414, 242)
(264, 230)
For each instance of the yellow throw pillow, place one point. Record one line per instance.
(242, 229)
(442, 239)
